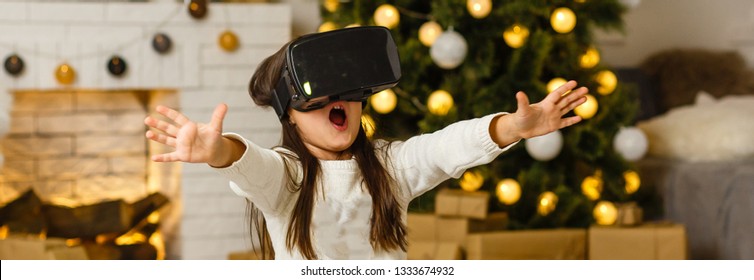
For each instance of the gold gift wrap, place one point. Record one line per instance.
(460, 203)
(433, 250)
(544, 244)
(429, 227)
(655, 241)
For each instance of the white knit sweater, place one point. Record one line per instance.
(342, 208)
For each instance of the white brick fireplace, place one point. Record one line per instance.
(80, 136)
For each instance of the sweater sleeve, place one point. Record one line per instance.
(258, 175)
(424, 161)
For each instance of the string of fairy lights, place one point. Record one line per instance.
(116, 64)
(447, 49)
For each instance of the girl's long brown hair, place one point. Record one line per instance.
(387, 229)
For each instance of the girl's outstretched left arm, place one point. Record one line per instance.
(537, 119)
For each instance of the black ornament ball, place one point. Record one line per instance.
(14, 65)
(161, 43)
(198, 8)
(117, 66)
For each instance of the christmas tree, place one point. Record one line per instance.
(463, 59)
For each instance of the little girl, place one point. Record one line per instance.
(328, 192)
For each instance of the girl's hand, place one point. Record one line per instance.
(193, 142)
(531, 120)
(546, 116)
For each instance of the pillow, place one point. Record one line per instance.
(709, 130)
(680, 73)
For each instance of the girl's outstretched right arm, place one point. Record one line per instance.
(194, 142)
(254, 172)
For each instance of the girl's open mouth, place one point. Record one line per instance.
(338, 117)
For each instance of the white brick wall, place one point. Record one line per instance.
(85, 35)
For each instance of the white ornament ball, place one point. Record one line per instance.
(449, 50)
(545, 147)
(631, 143)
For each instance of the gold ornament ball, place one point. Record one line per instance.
(547, 203)
(591, 187)
(479, 8)
(331, 5)
(563, 20)
(387, 15)
(607, 80)
(590, 58)
(508, 191)
(65, 74)
(440, 102)
(428, 32)
(353, 25)
(605, 213)
(555, 83)
(515, 35)
(384, 101)
(632, 181)
(471, 181)
(228, 41)
(327, 26)
(368, 124)
(588, 109)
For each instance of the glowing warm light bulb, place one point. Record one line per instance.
(515, 35)
(479, 8)
(369, 126)
(353, 25)
(555, 83)
(588, 109)
(607, 80)
(384, 101)
(387, 15)
(591, 187)
(590, 58)
(331, 5)
(548, 201)
(471, 181)
(428, 32)
(605, 213)
(563, 20)
(440, 102)
(327, 26)
(632, 181)
(508, 191)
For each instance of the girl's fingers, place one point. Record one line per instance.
(174, 115)
(523, 101)
(163, 126)
(161, 138)
(555, 95)
(217, 117)
(569, 121)
(572, 106)
(573, 99)
(169, 157)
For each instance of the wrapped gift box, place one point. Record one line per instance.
(429, 227)
(645, 242)
(431, 250)
(545, 244)
(460, 203)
